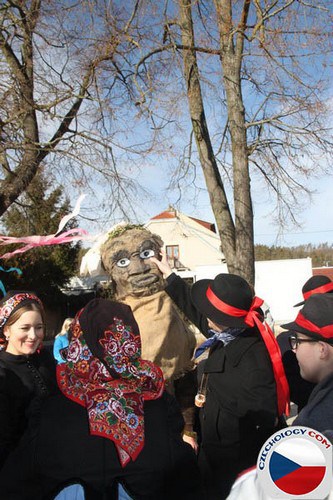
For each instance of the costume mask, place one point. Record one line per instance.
(127, 259)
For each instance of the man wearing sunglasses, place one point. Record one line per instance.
(311, 340)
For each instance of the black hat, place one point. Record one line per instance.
(228, 288)
(316, 284)
(315, 319)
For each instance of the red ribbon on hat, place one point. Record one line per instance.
(321, 289)
(252, 318)
(324, 331)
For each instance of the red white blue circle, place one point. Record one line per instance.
(297, 468)
(296, 462)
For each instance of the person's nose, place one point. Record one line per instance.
(32, 334)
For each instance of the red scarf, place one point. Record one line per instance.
(112, 389)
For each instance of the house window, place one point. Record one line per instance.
(172, 253)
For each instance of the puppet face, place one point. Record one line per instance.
(127, 259)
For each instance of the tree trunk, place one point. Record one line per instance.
(236, 239)
(231, 59)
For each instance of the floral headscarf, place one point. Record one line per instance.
(11, 302)
(105, 374)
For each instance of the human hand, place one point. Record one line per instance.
(192, 441)
(163, 264)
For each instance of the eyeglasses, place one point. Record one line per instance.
(294, 341)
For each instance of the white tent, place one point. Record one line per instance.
(79, 285)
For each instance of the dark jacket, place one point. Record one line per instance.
(240, 412)
(300, 389)
(59, 449)
(24, 382)
(241, 406)
(179, 291)
(318, 413)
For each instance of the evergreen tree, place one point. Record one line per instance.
(321, 255)
(46, 269)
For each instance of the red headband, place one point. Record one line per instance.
(10, 304)
(251, 318)
(321, 289)
(324, 331)
(234, 311)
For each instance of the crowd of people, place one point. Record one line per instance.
(97, 421)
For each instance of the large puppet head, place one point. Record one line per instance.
(126, 257)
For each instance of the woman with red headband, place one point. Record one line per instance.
(112, 423)
(242, 386)
(27, 372)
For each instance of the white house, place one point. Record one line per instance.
(189, 242)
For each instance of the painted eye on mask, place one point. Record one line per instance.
(123, 262)
(146, 254)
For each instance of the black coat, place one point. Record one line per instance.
(24, 382)
(300, 389)
(241, 411)
(318, 412)
(58, 449)
(241, 407)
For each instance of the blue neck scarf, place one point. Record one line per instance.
(226, 336)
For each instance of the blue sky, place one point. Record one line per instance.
(316, 219)
(315, 216)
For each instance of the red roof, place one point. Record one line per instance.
(207, 225)
(168, 214)
(172, 214)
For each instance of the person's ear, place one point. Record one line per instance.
(6, 332)
(324, 350)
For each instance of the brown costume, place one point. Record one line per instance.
(166, 339)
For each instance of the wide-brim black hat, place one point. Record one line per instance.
(314, 285)
(228, 288)
(318, 310)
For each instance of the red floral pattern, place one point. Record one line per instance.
(113, 393)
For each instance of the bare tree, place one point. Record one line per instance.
(94, 90)
(273, 99)
(66, 98)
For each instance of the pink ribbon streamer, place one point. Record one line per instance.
(29, 242)
(39, 241)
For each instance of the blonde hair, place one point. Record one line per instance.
(65, 326)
